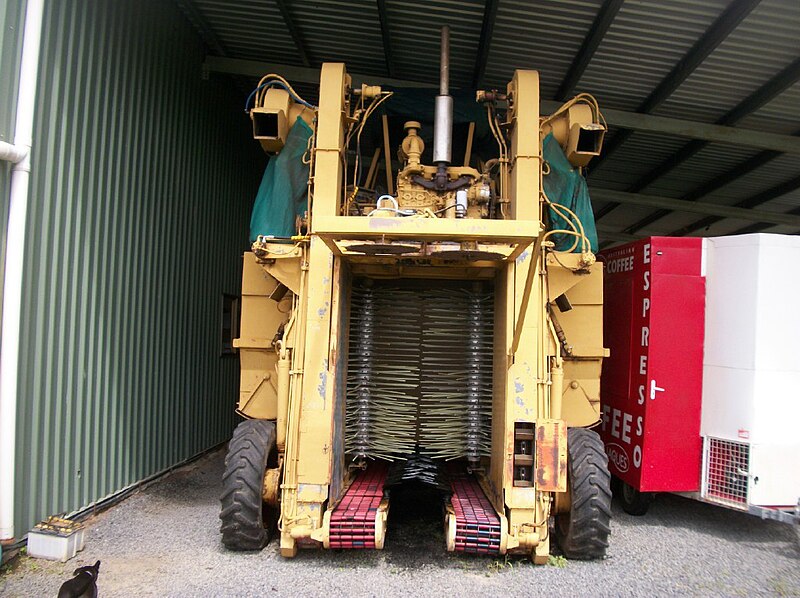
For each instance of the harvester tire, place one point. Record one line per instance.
(583, 532)
(245, 518)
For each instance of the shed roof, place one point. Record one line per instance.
(731, 63)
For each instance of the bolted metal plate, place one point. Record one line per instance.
(382, 249)
(467, 255)
(551, 455)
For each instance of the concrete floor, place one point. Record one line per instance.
(164, 541)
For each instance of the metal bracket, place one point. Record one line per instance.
(526, 296)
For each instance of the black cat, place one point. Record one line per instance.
(83, 585)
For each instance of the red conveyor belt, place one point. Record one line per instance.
(477, 523)
(353, 519)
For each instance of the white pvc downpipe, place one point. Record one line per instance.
(11, 153)
(19, 153)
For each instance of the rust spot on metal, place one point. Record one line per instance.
(551, 456)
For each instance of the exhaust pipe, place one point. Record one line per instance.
(443, 116)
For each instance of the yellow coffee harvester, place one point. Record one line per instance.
(447, 330)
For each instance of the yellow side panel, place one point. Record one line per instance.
(590, 286)
(258, 390)
(502, 445)
(261, 317)
(583, 324)
(316, 415)
(254, 280)
(581, 402)
(524, 150)
(583, 328)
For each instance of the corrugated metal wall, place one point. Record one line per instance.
(143, 178)
(12, 17)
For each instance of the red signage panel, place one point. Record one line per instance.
(651, 387)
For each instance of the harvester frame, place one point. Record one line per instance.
(546, 367)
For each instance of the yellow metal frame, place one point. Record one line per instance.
(534, 380)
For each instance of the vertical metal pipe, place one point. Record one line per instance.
(284, 366)
(444, 63)
(443, 115)
(387, 155)
(15, 246)
(556, 388)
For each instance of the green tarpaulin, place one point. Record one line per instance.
(564, 185)
(283, 193)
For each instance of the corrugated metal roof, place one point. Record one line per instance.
(773, 173)
(636, 157)
(249, 29)
(763, 44)
(709, 163)
(643, 44)
(767, 176)
(780, 115)
(544, 36)
(415, 34)
(339, 37)
(646, 40)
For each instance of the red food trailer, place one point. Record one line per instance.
(652, 391)
(699, 392)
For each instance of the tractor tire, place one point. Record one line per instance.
(634, 502)
(583, 532)
(246, 520)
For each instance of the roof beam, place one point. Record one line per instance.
(759, 226)
(740, 170)
(718, 182)
(204, 29)
(696, 130)
(713, 37)
(293, 31)
(297, 74)
(680, 205)
(764, 94)
(387, 40)
(610, 235)
(484, 45)
(605, 16)
(748, 205)
(620, 118)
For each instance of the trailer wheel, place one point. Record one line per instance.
(634, 502)
(246, 521)
(583, 532)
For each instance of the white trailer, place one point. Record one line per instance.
(751, 375)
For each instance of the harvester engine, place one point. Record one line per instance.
(439, 324)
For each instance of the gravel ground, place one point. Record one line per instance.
(164, 541)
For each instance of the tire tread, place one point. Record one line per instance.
(245, 463)
(583, 532)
